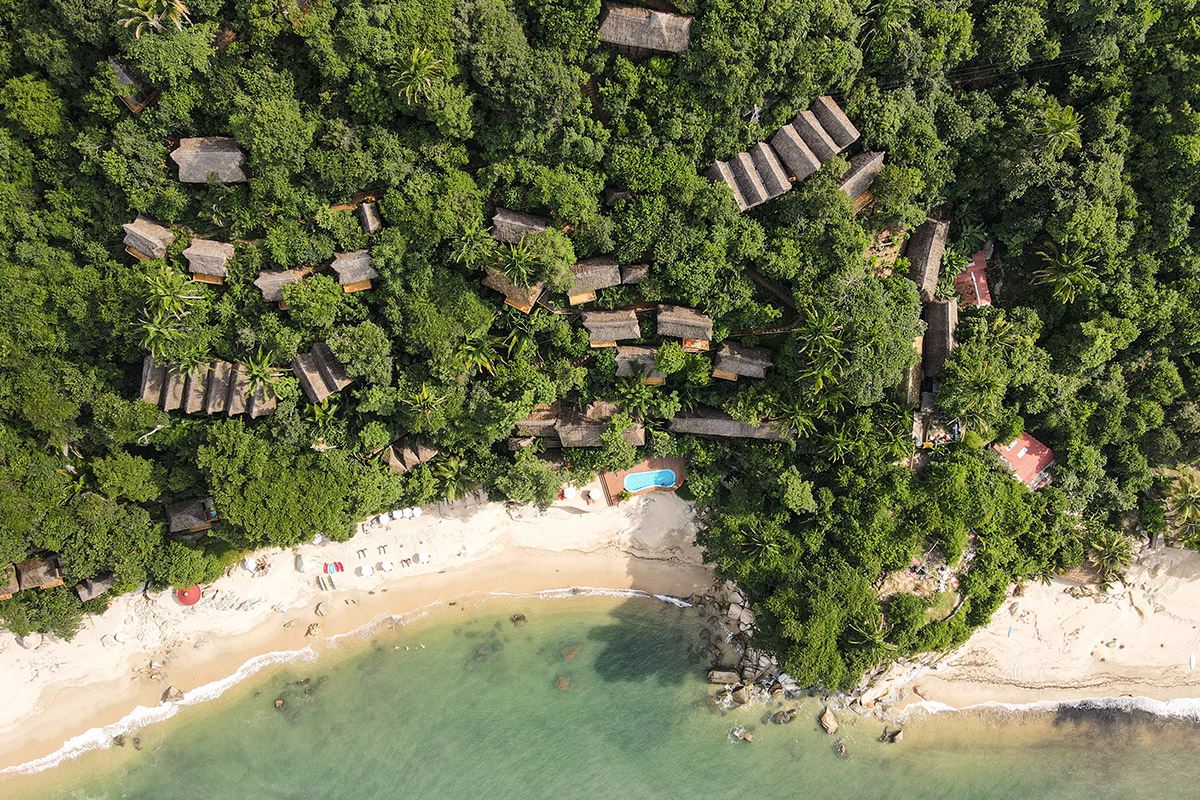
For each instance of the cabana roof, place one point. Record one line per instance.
(713, 422)
(271, 282)
(214, 388)
(319, 372)
(522, 297)
(634, 273)
(972, 282)
(941, 320)
(39, 572)
(406, 453)
(835, 122)
(770, 170)
(147, 238)
(584, 429)
(368, 217)
(208, 257)
(511, 226)
(924, 253)
(746, 175)
(541, 421)
(684, 323)
(197, 157)
(742, 359)
(611, 326)
(629, 355)
(354, 267)
(196, 514)
(1027, 458)
(93, 588)
(643, 29)
(720, 172)
(864, 169)
(595, 273)
(791, 149)
(815, 136)
(9, 585)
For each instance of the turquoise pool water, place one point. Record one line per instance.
(637, 481)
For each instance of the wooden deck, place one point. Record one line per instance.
(614, 482)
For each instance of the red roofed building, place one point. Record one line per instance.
(972, 282)
(1029, 459)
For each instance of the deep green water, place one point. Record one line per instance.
(476, 714)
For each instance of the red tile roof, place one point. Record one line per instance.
(972, 283)
(1027, 457)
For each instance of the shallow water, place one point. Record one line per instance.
(476, 712)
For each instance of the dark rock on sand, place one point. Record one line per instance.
(829, 722)
(172, 695)
(518, 619)
(897, 737)
(784, 716)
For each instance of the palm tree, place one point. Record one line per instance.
(167, 289)
(819, 339)
(424, 400)
(797, 414)
(413, 79)
(1066, 271)
(474, 245)
(1184, 500)
(1001, 333)
(452, 476)
(519, 263)
(840, 443)
(1061, 129)
(871, 635)
(259, 371)
(1111, 552)
(157, 332)
(890, 21)
(150, 14)
(478, 351)
(635, 396)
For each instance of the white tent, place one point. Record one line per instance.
(385, 566)
(366, 571)
(422, 558)
(417, 511)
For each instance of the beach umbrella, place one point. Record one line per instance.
(422, 558)
(188, 597)
(386, 566)
(569, 492)
(366, 571)
(249, 565)
(301, 564)
(417, 511)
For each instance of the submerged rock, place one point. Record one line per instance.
(562, 683)
(897, 737)
(839, 747)
(119, 740)
(518, 619)
(570, 651)
(785, 716)
(280, 702)
(829, 722)
(723, 676)
(740, 734)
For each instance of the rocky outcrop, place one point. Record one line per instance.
(172, 695)
(518, 619)
(723, 676)
(562, 683)
(829, 721)
(784, 716)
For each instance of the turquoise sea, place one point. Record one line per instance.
(597, 698)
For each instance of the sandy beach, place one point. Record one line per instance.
(148, 643)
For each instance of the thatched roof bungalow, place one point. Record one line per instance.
(634, 273)
(207, 260)
(640, 31)
(814, 135)
(791, 149)
(734, 359)
(941, 320)
(834, 121)
(643, 358)
(521, 298)
(694, 328)
(354, 270)
(751, 186)
(591, 275)
(8, 582)
(198, 157)
(145, 239)
(770, 171)
(584, 429)
(606, 328)
(271, 282)
(924, 253)
(713, 422)
(512, 226)
(540, 422)
(972, 283)
(39, 572)
(94, 587)
(856, 183)
(368, 217)
(191, 516)
(133, 93)
(720, 172)
(319, 372)
(407, 453)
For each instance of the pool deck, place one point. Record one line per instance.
(614, 482)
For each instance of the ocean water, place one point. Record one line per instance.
(593, 698)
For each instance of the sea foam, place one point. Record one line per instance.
(1178, 708)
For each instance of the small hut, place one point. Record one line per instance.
(751, 186)
(720, 172)
(590, 276)
(638, 32)
(354, 270)
(941, 320)
(815, 136)
(145, 239)
(133, 93)
(856, 183)
(835, 122)
(406, 453)
(191, 516)
(8, 582)
(207, 260)
(924, 253)
(713, 422)
(93, 588)
(734, 359)
(688, 324)
(972, 283)
(271, 282)
(634, 273)
(540, 422)
(643, 358)
(195, 388)
(368, 217)
(521, 298)
(319, 372)
(1029, 460)
(199, 157)
(512, 226)
(39, 572)
(770, 170)
(585, 428)
(791, 149)
(606, 328)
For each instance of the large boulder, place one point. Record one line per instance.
(723, 676)
(30, 641)
(829, 722)
(172, 695)
(784, 716)
(740, 696)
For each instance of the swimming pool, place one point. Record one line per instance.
(637, 481)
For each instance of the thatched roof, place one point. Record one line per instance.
(584, 429)
(319, 372)
(835, 122)
(239, 390)
(207, 257)
(770, 170)
(611, 326)
(713, 422)
(541, 421)
(133, 93)
(643, 29)
(91, 589)
(217, 399)
(261, 401)
(941, 320)
(195, 387)
(147, 237)
(518, 295)
(173, 390)
(39, 572)
(818, 141)
(634, 273)
(407, 453)
(924, 253)
(124, 76)
(154, 378)
(595, 273)
(368, 217)
(684, 323)
(794, 153)
(864, 169)
(354, 267)
(8, 582)
(742, 359)
(512, 226)
(629, 355)
(720, 172)
(271, 282)
(742, 166)
(197, 157)
(189, 515)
